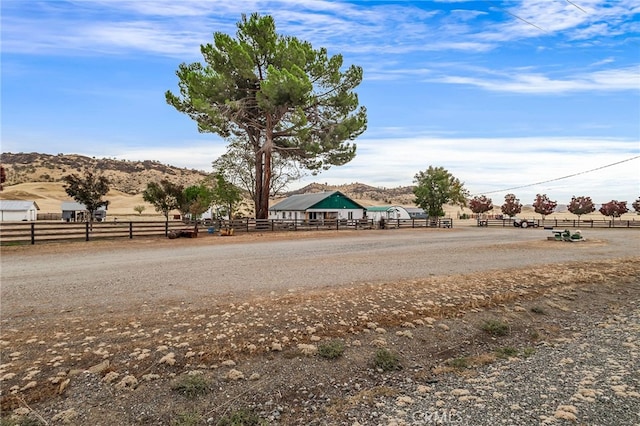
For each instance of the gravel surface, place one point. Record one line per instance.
(101, 332)
(591, 378)
(122, 276)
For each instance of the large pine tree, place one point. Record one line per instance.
(277, 93)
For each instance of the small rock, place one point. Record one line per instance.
(66, 416)
(129, 382)
(308, 350)
(110, 377)
(99, 368)
(234, 375)
(169, 359)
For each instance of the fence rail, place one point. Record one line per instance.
(47, 231)
(41, 231)
(565, 223)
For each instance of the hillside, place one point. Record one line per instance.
(38, 177)
(129, 177)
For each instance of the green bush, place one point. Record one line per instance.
(496, 328)
(191, 385)
(187, 419)
(331, 350)
(241, 417)
(506, 352)
(460, 363)
(386, 360)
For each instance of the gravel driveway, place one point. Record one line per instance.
(126, 277)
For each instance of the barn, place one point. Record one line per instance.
(18, 210)
(77, 212)
(330, 205)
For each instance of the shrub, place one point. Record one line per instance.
(191, 385)
(331, 350)
(538, 310)
(506, 352)
(242, 417)
(187, 419)
(386, 360)
(496, 328)
(460, 363)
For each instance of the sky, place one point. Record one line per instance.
(529, 97)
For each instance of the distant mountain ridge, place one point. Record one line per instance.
(132, 177)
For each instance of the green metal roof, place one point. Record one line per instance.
(378, 208)
(318, 200)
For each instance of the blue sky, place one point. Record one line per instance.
(503, 94)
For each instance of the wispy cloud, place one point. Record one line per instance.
(537, 83)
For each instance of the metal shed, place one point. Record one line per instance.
(18, 210)
(387, 212)
(77, 212)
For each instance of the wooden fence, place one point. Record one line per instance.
(565, 223)
(46, 231)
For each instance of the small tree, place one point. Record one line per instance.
(636, 205)
(511, 206)
(237, 166)
(480, 204)
(139, 208)
(164, 196)
(436, 187)
(614, 208)
(543, 205)
(195, 200)
(3, 177)
(88, 190)
(581, 205)
(226, 195)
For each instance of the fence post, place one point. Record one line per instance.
(166, 227)
(130, 230)
(33, 233)
(86, 231)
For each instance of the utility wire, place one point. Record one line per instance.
(563, 177)
(575, 5)
(515, 16)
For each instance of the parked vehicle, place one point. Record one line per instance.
(525, 223)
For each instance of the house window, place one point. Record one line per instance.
(313, 215)
(350, 215)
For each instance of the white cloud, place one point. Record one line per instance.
(519, 82)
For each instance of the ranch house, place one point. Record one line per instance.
(333, 205)
(18, 210)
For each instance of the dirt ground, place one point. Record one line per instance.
(276, 359)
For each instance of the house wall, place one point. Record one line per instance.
(339, 213)
(23, 215)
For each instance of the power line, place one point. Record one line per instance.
(563, 177)
(515, 16)
(575, 5)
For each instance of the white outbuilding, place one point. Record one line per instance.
(18, 211)
(376, 213)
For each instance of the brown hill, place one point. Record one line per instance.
(38, 177)
(129, 177)
(369, 195)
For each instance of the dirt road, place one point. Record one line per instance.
(122, 275)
